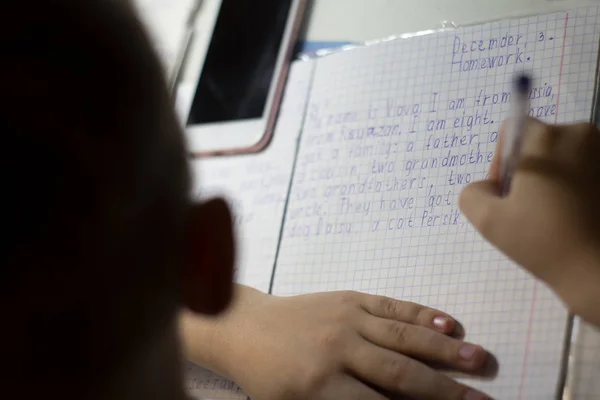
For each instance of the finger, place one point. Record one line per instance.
(575, 142)
(540, 154)
(484, 207)
(404, 311)
(423, 343)
(559, 153)
(347, 387)
(401, 374)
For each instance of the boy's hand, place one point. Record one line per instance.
(549, 222)
(340, 345)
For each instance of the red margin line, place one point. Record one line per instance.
(535, 284)
(528, 341)
(562, 61)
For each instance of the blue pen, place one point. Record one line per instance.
(513, 137)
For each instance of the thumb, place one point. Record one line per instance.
(482, 204)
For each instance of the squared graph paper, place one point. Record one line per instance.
(256, 187)
(393, 132)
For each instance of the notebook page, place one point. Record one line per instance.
(393, 132)
(256, 187)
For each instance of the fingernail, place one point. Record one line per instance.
(473, 395)
(441, 322)
(467, 351)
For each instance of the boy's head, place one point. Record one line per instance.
(102, 242)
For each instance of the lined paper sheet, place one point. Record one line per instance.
(393, 132)
(256, 187)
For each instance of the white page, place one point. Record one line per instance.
(366, 139)
(256, 186)
(165, 21)
(584, 381)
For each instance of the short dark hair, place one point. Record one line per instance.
(95, 180)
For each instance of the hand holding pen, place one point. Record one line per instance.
(550, 222)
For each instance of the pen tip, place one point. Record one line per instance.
(522, 83)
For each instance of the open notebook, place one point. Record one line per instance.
(391, 134)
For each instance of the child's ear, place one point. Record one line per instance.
(208, 274)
